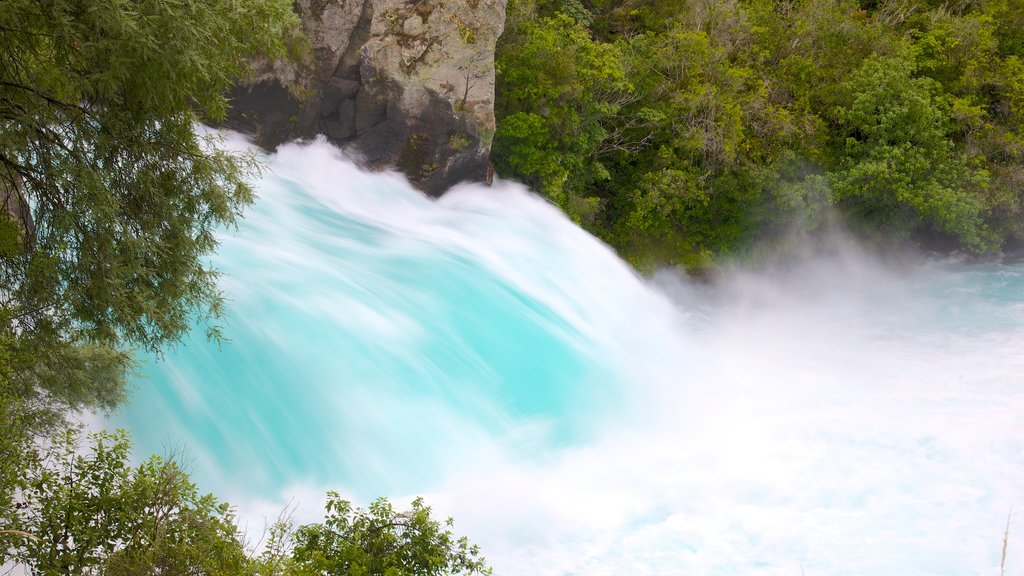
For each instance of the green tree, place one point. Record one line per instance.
(975, 56)
(900, 168)
(737, 122)
(560, 91)
(723, 137)
(380, 541)
(697, 94)
(111, 195)
(83, 509)
(88, 511)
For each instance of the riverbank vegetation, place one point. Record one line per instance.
(686, 131)
(83, 508)
(109, 200)
(678, 131)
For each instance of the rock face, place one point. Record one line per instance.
(402, 84)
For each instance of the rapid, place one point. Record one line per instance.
(840, 415)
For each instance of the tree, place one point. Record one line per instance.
(111, 196)
(379, 541)
(83, 509)
(901, 170)
(560, 90)
(87, 511)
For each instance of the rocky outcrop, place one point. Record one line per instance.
(401, 84)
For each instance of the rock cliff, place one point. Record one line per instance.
(402, 84)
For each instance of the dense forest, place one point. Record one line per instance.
(686, 131)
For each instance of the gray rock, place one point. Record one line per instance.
(399, 84)
(339, 89)
(342, 127)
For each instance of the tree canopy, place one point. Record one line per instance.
(700, 128)
(83, 509)
(381, 541)
(112, 197)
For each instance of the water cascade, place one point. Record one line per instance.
(840, 417)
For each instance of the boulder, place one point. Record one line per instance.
(395, 83)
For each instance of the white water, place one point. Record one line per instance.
(843, 417)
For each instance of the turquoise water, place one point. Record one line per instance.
(842, 417)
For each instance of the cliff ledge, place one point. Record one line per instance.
(407, 85)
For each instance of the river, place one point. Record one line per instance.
(843, 415)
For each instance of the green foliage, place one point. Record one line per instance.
(15, 443)
(98, 109)
(560, 91)
(81, 508)
(88, 511)
(465, 32)
(380, 541)
(577, 11)
(458, 142)
(736, 121)
(899, 166)
(10, 237)
(110, 203)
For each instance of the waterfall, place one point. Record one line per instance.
(843, 416)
